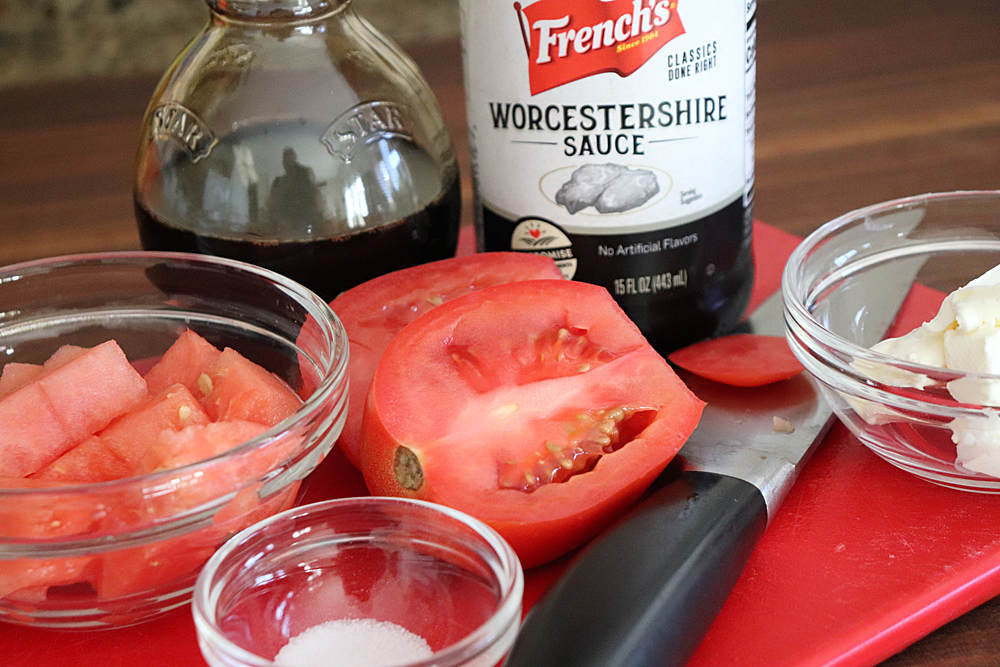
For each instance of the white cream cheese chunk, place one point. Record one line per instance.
(977, 443)
(963, 336)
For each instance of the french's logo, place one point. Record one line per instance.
(568, 40)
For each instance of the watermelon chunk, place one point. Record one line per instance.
(174, 449)
(63, 355)
(90, 390)
(32, 574)
(34, 516)
(152, 566)
(183, 363)
(190, 490)
(43, 419)
(16, 375)
(43, 516)
(132, 434)
(31, 433)
(114, 452)
(239, 389)
(90, 461)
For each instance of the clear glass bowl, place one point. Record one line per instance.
(124, 551)
(429, 570)
(832, 287)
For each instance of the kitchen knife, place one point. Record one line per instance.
(645, 591)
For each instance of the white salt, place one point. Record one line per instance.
(353, 643)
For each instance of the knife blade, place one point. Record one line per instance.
(645, 592)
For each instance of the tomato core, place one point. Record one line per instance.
(409, 474)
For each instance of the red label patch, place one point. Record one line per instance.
(568, 40)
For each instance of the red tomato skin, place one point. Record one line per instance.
(556, 517)
(376, 310)
(740, 360)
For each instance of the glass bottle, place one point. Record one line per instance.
(293, 135)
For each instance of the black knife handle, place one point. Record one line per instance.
(645, 592)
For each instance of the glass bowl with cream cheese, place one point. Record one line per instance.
(361, 582)
(924, 396)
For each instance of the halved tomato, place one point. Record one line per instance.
(537, 407)
(375, 311)
(741, 360)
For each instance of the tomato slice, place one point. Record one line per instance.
(375, 311)
(741, 360)
(537, 407)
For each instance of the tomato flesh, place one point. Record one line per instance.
(741, 360)
(537, 407)
(375, 311)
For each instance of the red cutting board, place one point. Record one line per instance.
(860, 561)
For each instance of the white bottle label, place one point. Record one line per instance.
(566, 96)
(617, 137)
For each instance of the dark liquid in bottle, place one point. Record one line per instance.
(328, 266)
(272, 195)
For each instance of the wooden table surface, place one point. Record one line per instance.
(858, 101)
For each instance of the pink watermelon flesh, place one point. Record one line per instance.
(183, 363)
(16, 375)
(43, 419)
(63, 355)
(90, 461)
(132, 434)
(174, 449)
(241, 390)
(149, 567)
(90, 390)
(192, 491)
(27, 573)
(39, 515)
(31, 433)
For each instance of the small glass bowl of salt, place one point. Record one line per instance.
(360, 582)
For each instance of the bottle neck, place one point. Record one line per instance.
(294, 10)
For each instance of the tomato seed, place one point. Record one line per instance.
(588, 438)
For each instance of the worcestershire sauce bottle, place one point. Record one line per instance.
(617, 137)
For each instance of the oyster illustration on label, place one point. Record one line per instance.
(610, 188)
